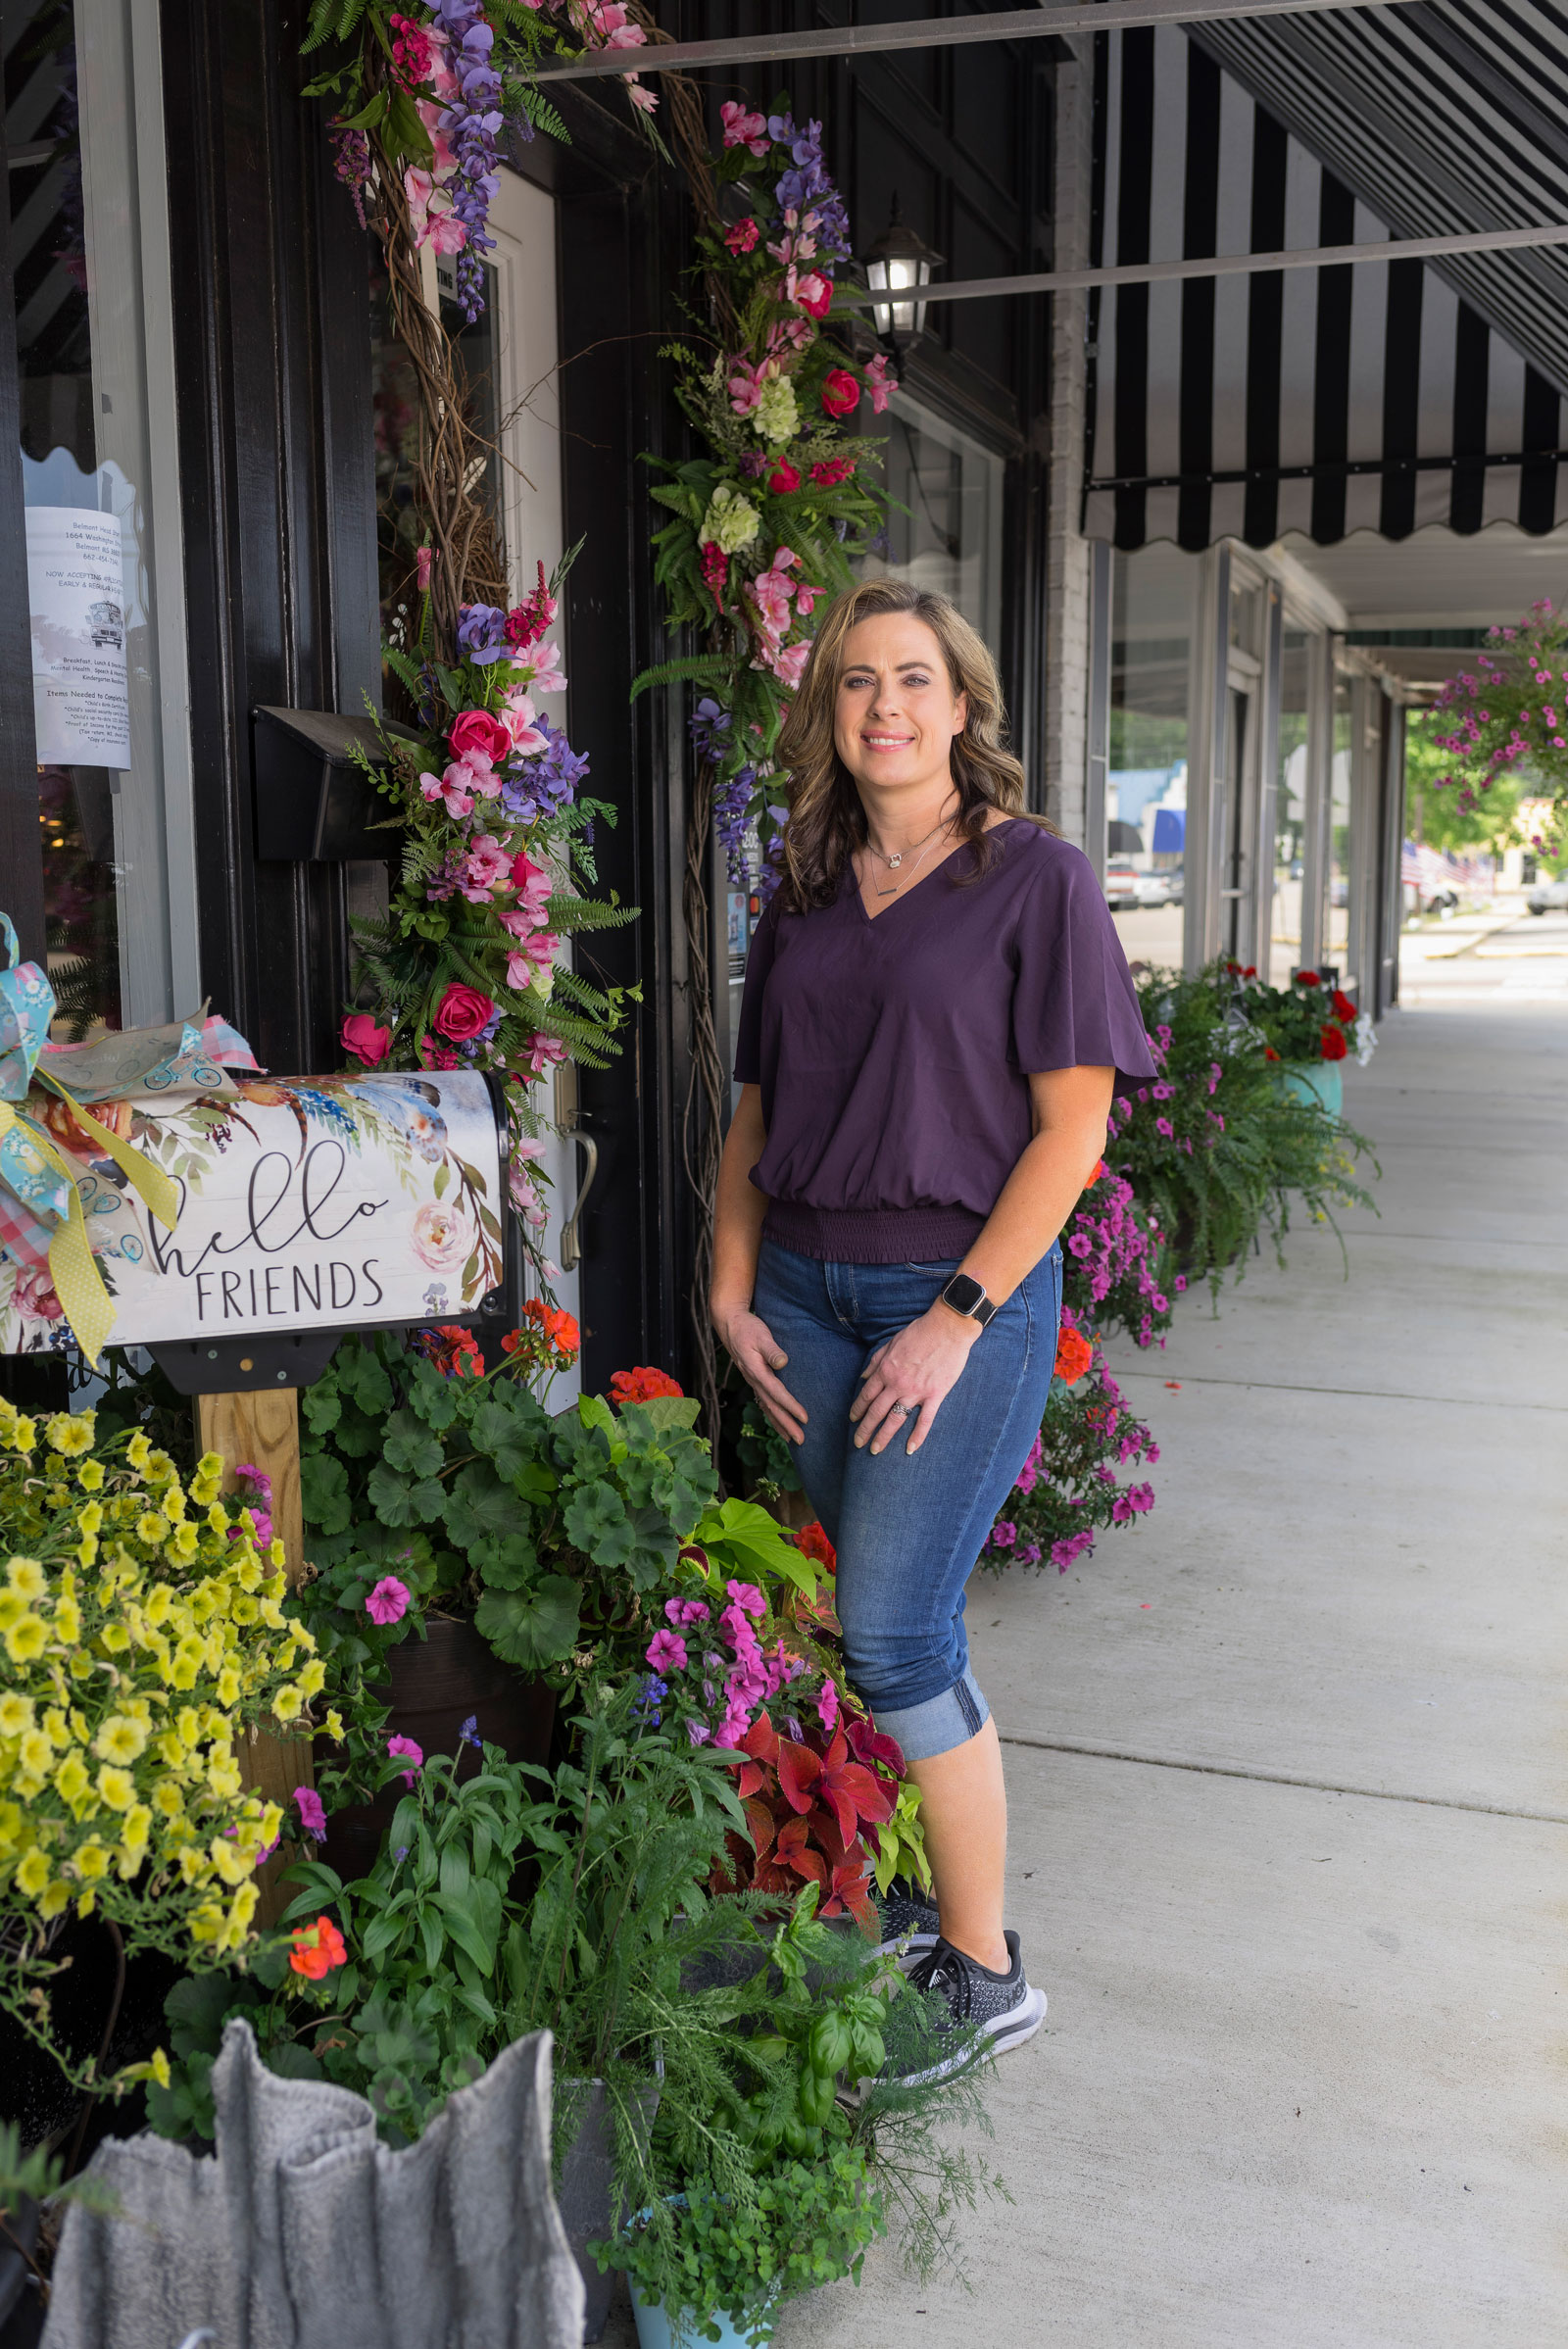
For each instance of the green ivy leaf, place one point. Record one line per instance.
(503, 1430)
(398, 1502)
(597, 1522)
(325, 1493)
(506, 1561)
(480, 1504)
(407, 1444)
(532, 1628)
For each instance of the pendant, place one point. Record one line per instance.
(895, 861)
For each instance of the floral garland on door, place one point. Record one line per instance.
(497, 846)
(768, 521)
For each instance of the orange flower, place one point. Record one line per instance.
(813, 1542)
(556, 1328)
(317, 1948)
(1093, 1179)
(1074, 1354)
(640, 1386)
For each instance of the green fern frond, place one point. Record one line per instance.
(702, 668)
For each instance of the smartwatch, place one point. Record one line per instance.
(964, 1294)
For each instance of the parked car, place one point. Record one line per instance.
(1121, 886)
(1160, 888)
(1548, 896)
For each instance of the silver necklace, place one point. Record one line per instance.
(893, 862)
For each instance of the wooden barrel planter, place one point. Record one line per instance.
(433, 1686)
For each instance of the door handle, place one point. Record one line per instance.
(572, 1228)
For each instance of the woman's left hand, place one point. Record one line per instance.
(918, 1369)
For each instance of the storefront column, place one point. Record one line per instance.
(1209, 758)
(1068, 555)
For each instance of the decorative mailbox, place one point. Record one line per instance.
(307, 1207)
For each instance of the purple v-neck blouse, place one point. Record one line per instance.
(894, 1053)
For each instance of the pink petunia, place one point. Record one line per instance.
(313, 1817)
(748, 1598)
(388, 1603)
(405, 1749)
(684, 1612)
(666, 1652)
(827, 1705)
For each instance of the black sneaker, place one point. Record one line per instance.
(985, 2011)
(908, 1917)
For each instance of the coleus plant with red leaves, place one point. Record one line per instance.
(809, 1797)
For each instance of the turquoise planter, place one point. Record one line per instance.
(1321, 1081)
(654, 2327)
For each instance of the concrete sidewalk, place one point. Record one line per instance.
(1290, 1784)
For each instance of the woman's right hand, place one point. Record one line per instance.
(758, 1356)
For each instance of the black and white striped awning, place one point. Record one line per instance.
(1381, 395)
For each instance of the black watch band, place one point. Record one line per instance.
(964, 1294)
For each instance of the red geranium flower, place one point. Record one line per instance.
(1269, 1054)
(641, 1384)
(813, 1543)
(1074, 1355)
(316, 1949)
(1335, 1046)
(557, 1327)
(1307, 978)
(1341, 1005)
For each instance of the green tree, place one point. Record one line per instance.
(1435, 816)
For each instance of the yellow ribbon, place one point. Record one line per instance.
(72, 1267)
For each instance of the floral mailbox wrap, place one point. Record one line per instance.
(305, 1203)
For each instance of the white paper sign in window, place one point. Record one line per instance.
(75, 591)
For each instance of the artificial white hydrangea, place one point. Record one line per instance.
(776, 417)
(731, 521)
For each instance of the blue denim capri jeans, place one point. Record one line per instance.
(908, 1532)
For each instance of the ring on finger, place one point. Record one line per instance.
(900, 1411)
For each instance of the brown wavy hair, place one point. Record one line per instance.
(827, 823)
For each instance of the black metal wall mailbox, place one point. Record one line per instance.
(313, 801)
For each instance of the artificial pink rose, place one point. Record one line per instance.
(461, 1012)
(477, 730)
(783, 479)
(365, 1040)
(840, 392)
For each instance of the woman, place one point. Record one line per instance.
(936, 1005)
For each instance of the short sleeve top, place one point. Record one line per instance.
(894, 1055)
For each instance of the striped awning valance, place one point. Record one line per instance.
(1319, 400)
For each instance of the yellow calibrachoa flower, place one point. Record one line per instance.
(119, 1740)
(124, 1687)
(28, 1579)
(33, 1874)
(69, 1431)
(118, 1787)
(334, 1726)
(26, 1638)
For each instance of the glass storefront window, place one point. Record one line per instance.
(948, 535)
(1337, 907)
(1154, 600)
(89, 260)
(1290, 807)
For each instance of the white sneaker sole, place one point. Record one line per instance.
(998, 2037)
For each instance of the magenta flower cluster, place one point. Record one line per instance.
(1510, 711)
(1117, 1250)
(731, 1676)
